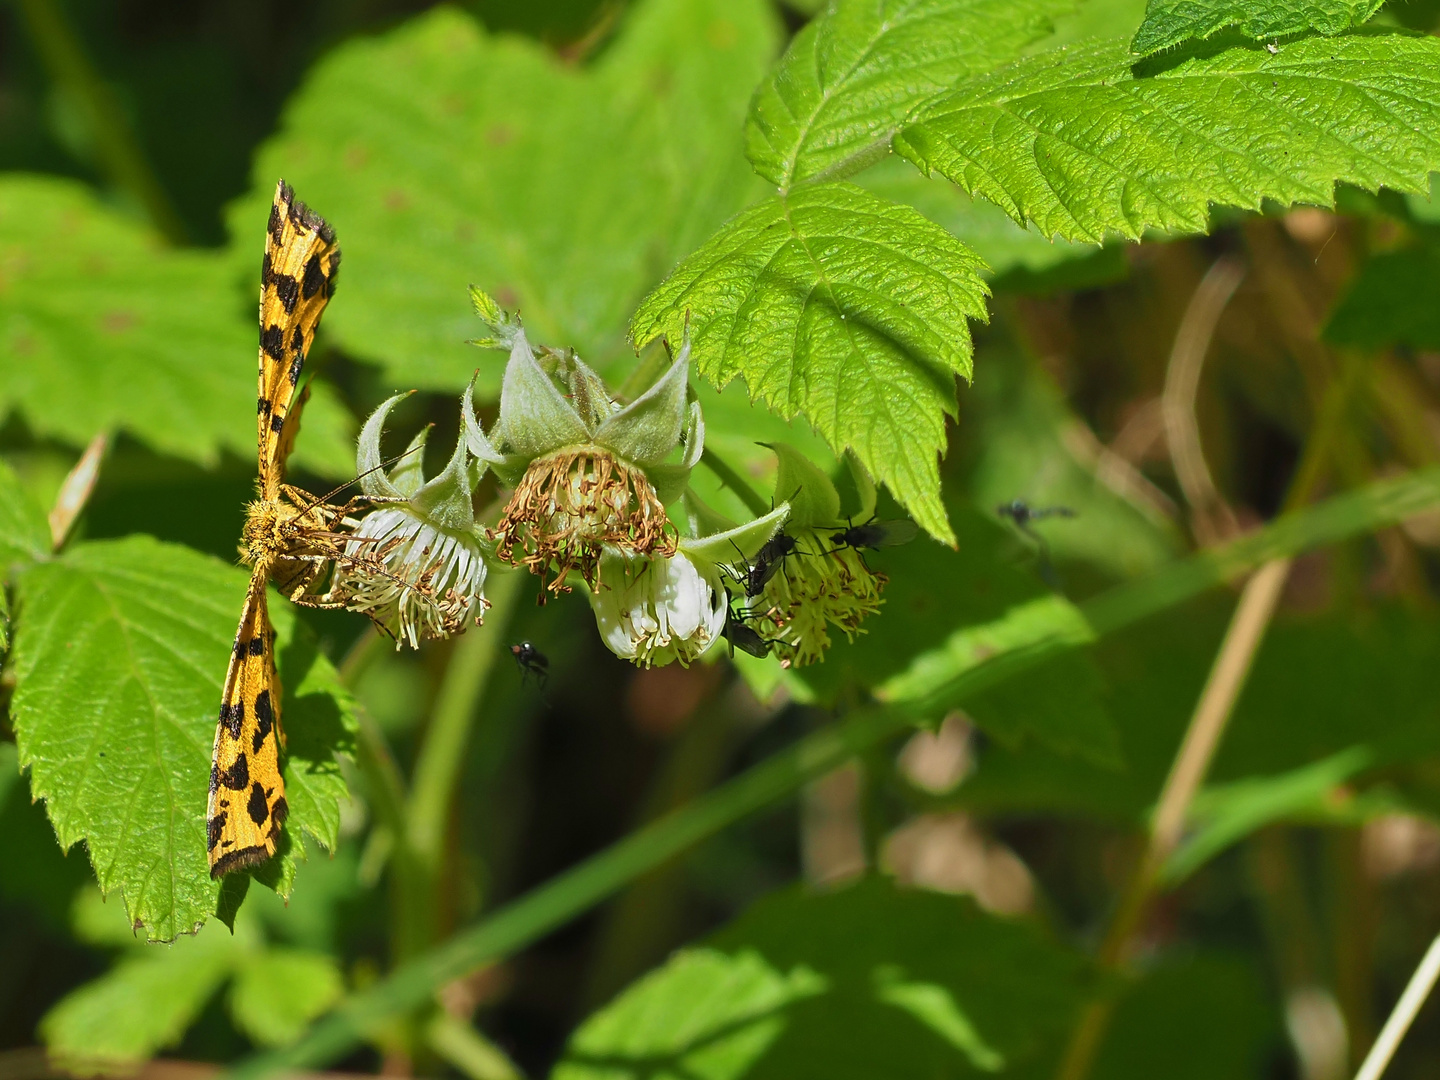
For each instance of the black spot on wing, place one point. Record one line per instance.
(263, 406)
(263, 724)
(280, 811)
(214, 785)
(237, 776)
(276, 423)
(213, 827)
(314, 277)
(256, 807)
(275, 227)
(288, 290)
(297, 340)
(272, 340)
(296, 366)
(231, 716)
(257, 645)
(267, 270)
(263, 712)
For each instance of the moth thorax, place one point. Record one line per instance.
(268, 531)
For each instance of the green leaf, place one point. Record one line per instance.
(1392, 301)
(277, 992)
(111, 330)
(445, 156)
(1159, 1011)
(142, 1005)
(24, 530)
(850, 78)
(1029, 441)
(119, 656)
(867, 981)
(837, 305)
(1077, 143)
(1004, 245)
(1169, 22)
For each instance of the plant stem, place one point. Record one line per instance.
(1418, 989)
(442, 754)
(532, 916)
(119, 150)
(735, 482)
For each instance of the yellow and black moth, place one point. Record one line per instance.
(289, 537)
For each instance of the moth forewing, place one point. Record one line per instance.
(247, 792)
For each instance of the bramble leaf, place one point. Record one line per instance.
(1169, 22)
(851, 77)
(445, 156)
(119, 654)
(865, 981)
(836, 304)
(1078, 143)
(110, 330)
(24, 531)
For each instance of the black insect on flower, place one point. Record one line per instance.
(740, 635)
(531, 661)
(875, 534)
(755, 575)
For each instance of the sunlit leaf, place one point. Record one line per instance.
(1080, 144)
(444, 155)
(1169, 22)
(109, 330)
(852, 76)
(119, 656)
(277, 992)
(835, 304)
(864, 982)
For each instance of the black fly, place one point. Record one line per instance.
(740, 636)
(754, 576)
(531, 662)
(875, 534)
(1024, 516)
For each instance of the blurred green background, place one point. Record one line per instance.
(1290, 944)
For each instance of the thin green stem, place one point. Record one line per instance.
(555, 903)
(735, 482)
(116, 145)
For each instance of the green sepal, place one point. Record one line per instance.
(476, 440)
(743, 541)
(369, 465)
(670, 480)
(408, 475)
(864, 487)
(445, 500)
(810, 493)
(648, 429)
(701, 518)
(535, 418)
(588, 392)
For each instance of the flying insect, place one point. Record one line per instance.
(531, 661)
(875, 534)
(1024, 516)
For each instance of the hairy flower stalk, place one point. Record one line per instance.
(588, 474)
(416, 565)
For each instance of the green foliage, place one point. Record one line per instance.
(1391, 302)
(176, 331)
(833, 303)
(152, 995)
(278, 992)
(1169, 22)
(1084, 146)
(851, 77)
(982, 225)
(119, 657)
(867, 981)
(24, 531)
(444, 155)
(1157, 1013)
